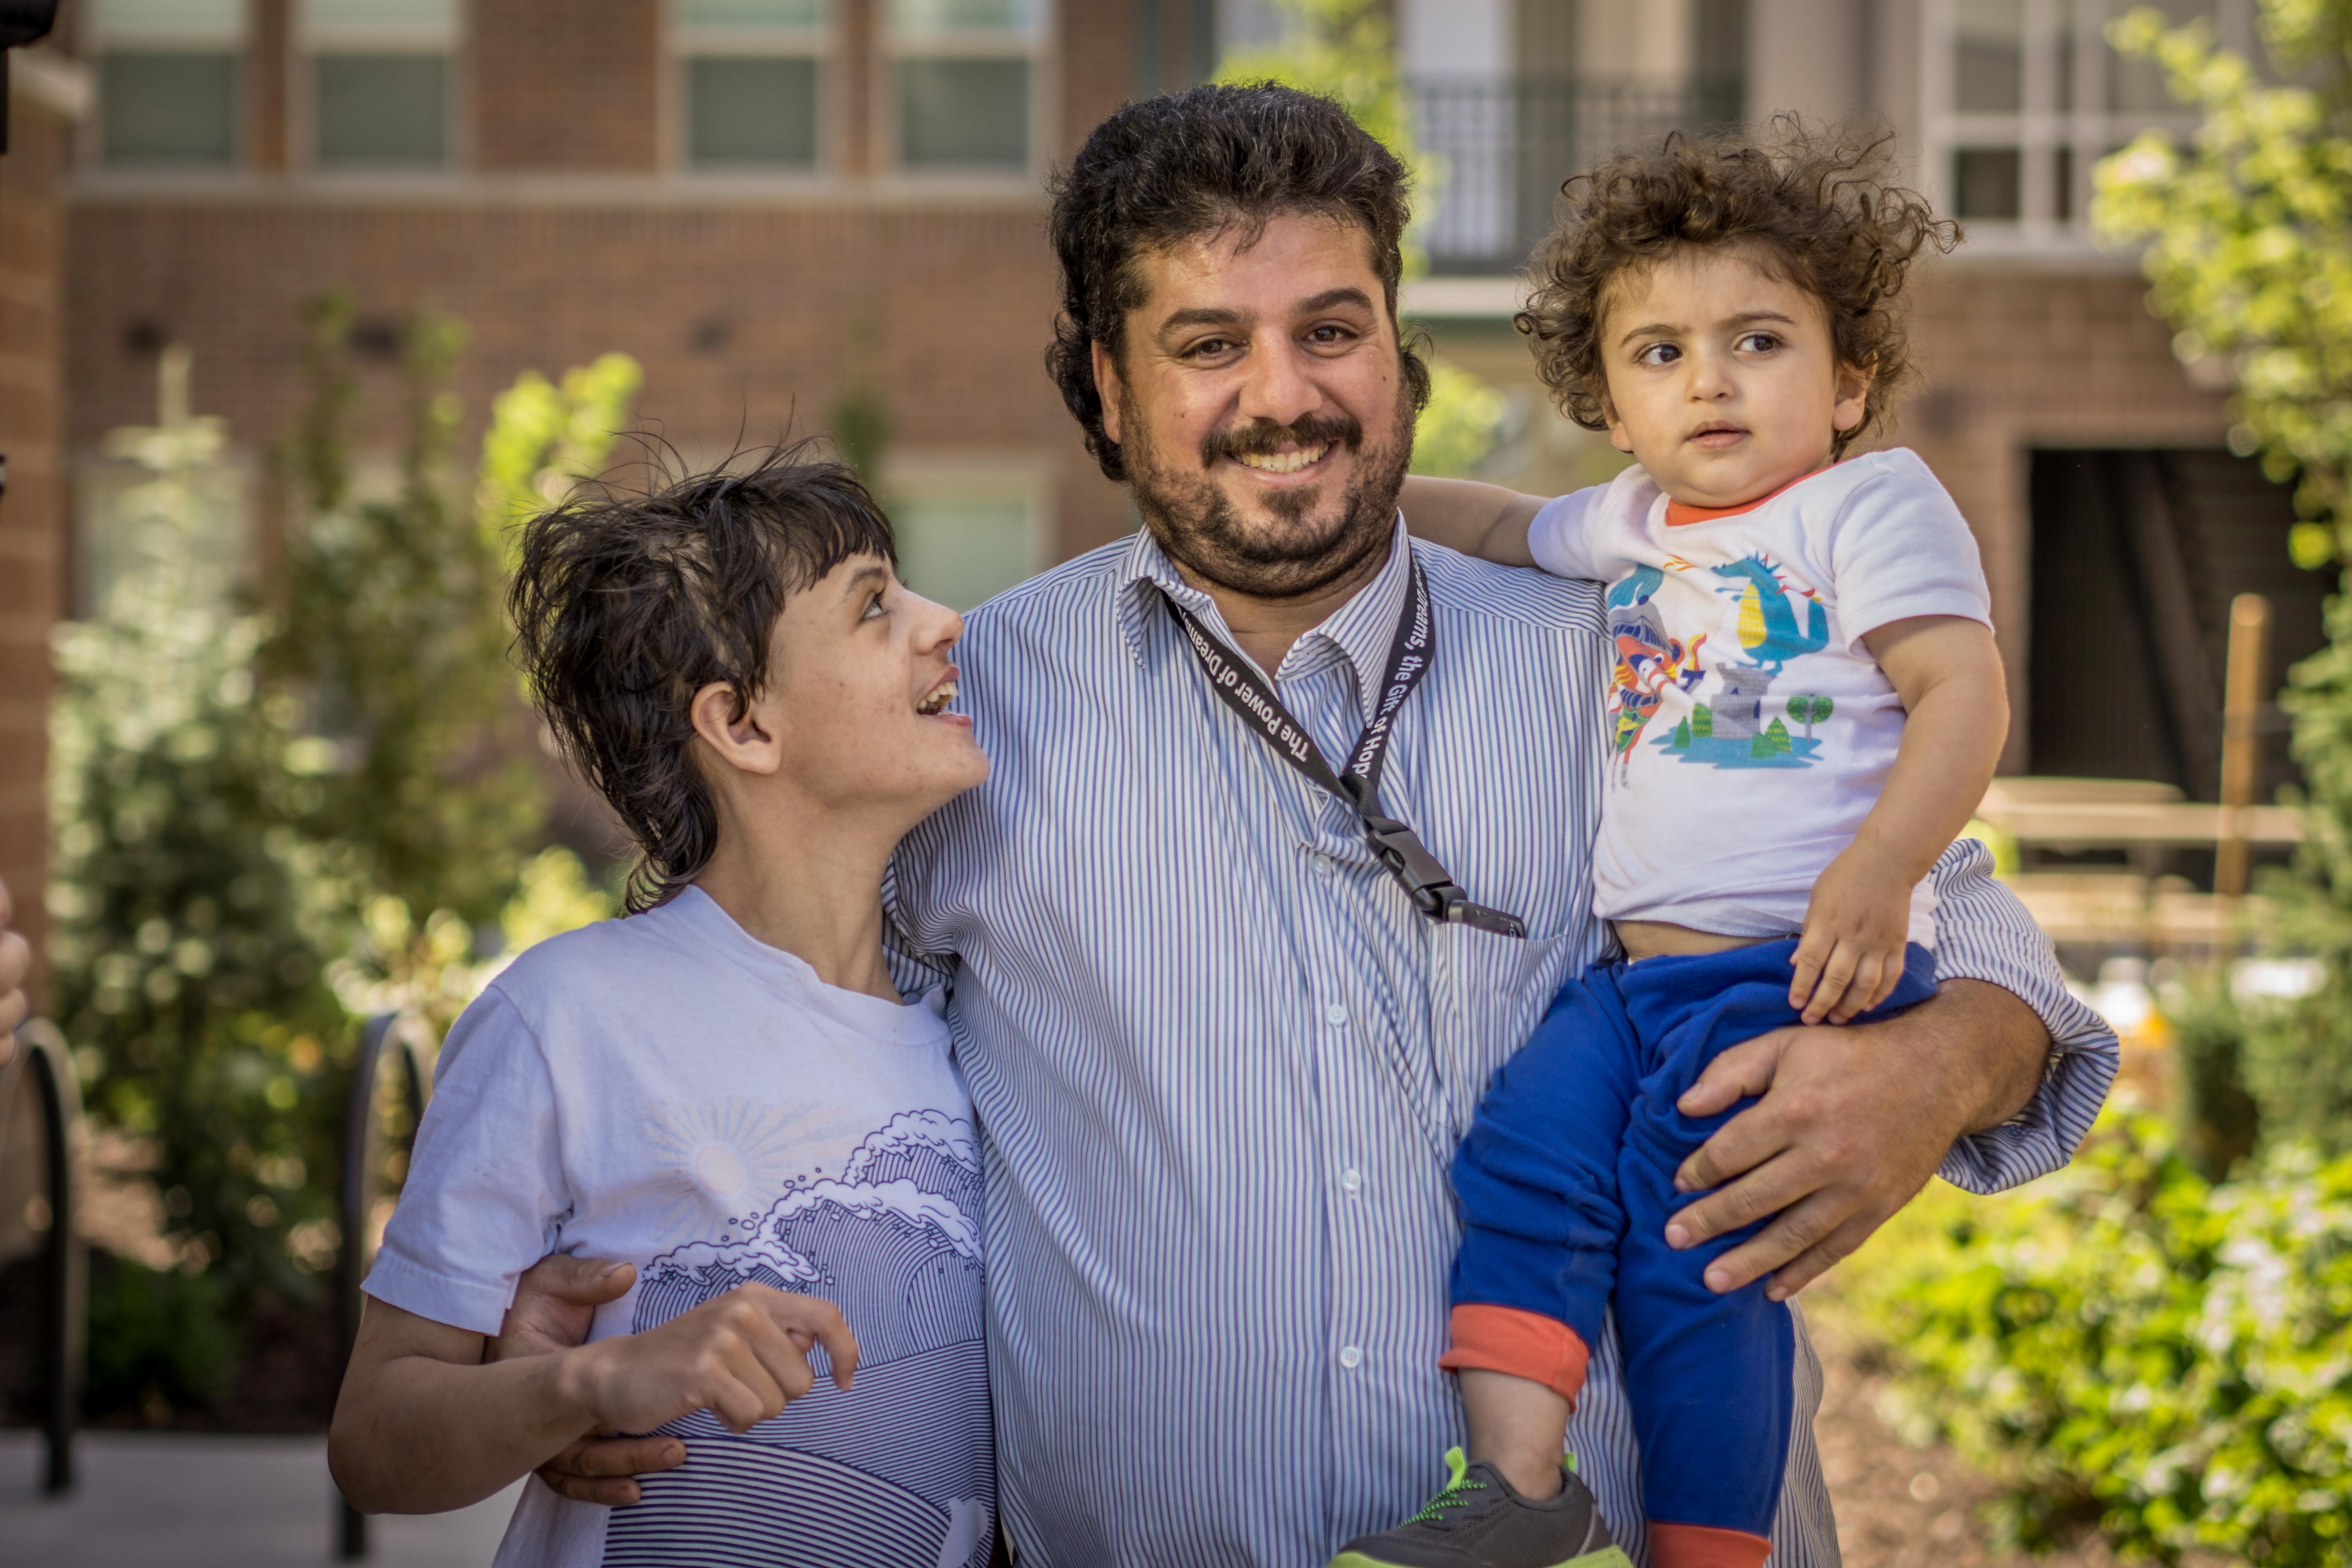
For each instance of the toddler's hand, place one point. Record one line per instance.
(742, 1356)
(1852, 953)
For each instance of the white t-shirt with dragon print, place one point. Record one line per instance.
(1752, 728)
(668, 1091)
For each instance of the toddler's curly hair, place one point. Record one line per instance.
(1820, 211)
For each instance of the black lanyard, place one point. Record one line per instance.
(1233, 679)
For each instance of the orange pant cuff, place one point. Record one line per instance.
(1705, 1546)
(1523, 1344)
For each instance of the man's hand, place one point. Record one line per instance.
(1852, 1123)
(555, 1301)
(15, 963)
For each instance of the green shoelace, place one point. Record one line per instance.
(1458, 1488)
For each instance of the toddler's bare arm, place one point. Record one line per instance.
(1485, 521)
(1948, 674)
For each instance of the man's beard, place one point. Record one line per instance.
(1199, 528)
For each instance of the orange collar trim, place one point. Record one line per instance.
(1678, 515)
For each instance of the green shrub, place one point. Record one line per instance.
(276, 810)
(158, 1342)
(2220, 1121)
(2129, 1341)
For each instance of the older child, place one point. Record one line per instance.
(722, 1089)
(1808, 705)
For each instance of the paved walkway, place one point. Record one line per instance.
(203, 1501)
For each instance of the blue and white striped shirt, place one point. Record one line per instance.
(1220, 1063)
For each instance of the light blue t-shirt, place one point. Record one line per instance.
(666, 1090)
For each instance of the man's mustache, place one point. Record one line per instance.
(1259, 440)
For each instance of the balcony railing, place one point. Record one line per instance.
(1503, 149)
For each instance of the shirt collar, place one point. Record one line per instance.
(1359, 632)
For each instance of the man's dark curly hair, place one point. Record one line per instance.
(1204, 162)
(1817, 211)
(625, 604)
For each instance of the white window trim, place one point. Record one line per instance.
(305, 43)
(2040, 129)
(683, 41)
(1039, 45)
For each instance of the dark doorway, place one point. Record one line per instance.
(2137, 555)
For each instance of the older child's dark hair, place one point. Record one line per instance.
(1200, 162)
(1820, 212)
(627, 602)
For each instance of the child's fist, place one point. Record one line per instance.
(1855, 924)
(743, 1356)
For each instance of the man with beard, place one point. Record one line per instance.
(1285, 852)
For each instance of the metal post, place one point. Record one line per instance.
(2242, 713)
(407, 1037)
(65, 1262)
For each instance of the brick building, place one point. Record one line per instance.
(2090, 461)
(45, 97)
(773, 204)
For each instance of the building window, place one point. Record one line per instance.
(749, 79)
(167, 80)
(961, 544)
(966, 83)
(2025, 96)
(380, 87)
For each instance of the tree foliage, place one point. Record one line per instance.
(273, 809)
(2248, 236)
(1346, 50)
(191, 919)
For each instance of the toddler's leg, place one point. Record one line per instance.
(1537, 1177)
(1710, 1378)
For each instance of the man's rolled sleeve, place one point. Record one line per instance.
(1982, 932)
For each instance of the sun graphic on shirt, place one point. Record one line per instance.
(727, 1160)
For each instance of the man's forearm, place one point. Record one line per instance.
(1995, 1047)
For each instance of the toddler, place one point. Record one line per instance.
(1808, 707)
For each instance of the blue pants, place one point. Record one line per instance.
(1566, 1181)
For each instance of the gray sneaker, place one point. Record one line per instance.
(1478, 1521)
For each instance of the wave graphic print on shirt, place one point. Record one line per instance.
(1729, 729)
(899, 1470)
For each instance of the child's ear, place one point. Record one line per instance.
(732, 729)
(1618, 437)
(1853, 384)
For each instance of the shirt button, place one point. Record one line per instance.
(1352, 1181)
(1336, 1014)
(1352, 1358)
(1325, 866)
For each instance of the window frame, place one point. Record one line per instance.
(2039, 131)
(306, 42)
(684, 42)
(918, 476)
(1037, 48)
(235, 41)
